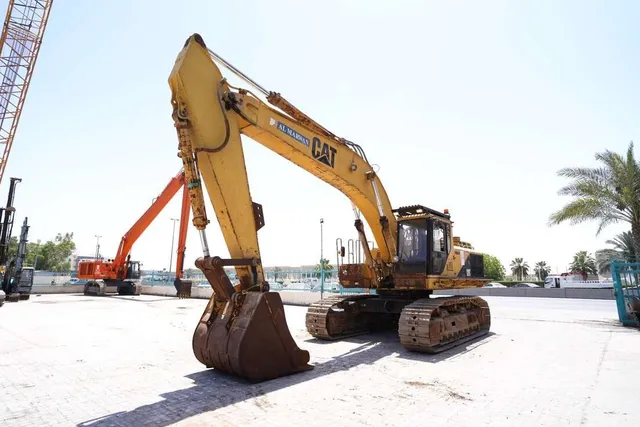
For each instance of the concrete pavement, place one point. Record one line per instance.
(69, 360)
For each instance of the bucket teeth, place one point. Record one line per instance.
(183, 288)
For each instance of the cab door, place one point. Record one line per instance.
(438, 246)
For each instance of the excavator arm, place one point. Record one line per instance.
(182, 236)
(183, 287)
(211, 115)
(119, 265)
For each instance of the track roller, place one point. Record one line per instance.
(338, 317)
(433, 325)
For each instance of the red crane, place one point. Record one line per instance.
(20, 44)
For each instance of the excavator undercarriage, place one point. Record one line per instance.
(428, 325)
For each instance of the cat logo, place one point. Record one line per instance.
(323, 152)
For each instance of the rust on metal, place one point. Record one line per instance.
(410, 280)
(429, 325)
(245, 333)
(355, 276)
(213, 270)
(433, 325)
(339, 317)
(424, 281)
(258, 215)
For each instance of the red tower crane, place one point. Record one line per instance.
(20, 43)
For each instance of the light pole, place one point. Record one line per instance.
(173, 235)
(321, 259)
(97, 246)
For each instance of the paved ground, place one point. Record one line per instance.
(126, 361)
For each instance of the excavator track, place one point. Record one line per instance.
(334, 318)
(433, 325)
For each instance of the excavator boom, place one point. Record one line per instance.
(416, 251)
(215, 123)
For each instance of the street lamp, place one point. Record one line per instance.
(321, 259)
(97, 246)
(173, 235)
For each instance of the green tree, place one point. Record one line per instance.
(327, 268)
(52, 255)
(607, 194)
(542, 270)
(12, 252)
(583, 263)
(493, 268)
(31, 251)
(519, 268)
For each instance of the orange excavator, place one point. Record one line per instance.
(121, 274)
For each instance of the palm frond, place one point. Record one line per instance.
(585, 174)
(580, 210)
(608, 219)
(623, 245)
(607, 194)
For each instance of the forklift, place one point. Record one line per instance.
(16, 280)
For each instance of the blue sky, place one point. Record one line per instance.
(470, 106)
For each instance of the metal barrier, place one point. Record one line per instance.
(280, 280)
(626, 283)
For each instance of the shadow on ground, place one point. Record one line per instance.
(134, 298)
(213, 390)
(388, 343)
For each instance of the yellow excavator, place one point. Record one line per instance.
(243, 330)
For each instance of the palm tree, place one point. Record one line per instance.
(624, 244)
(326, 266)
(542, 270)
(606, 257)
(608, 194)
(623, 250)
(583, 263)
(519, 268)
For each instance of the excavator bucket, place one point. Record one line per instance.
(183, 288)
(245, 333)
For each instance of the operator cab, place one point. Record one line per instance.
(26, 280)
(133, 270)
(26, 276)
(424, 240)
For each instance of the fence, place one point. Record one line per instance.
(626, 283)
(279, 280)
